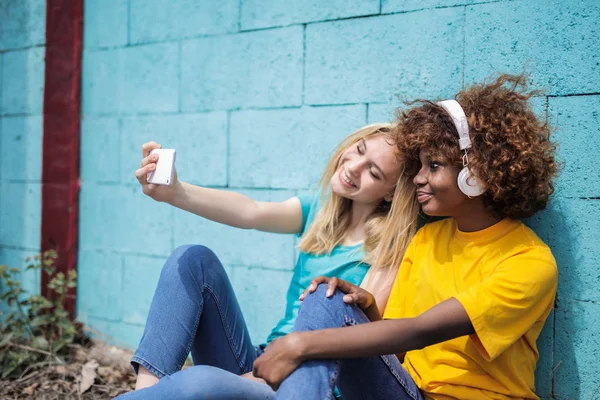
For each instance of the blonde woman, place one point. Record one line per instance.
(364, 214)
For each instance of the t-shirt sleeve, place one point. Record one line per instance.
(504, 306)
(306, 203)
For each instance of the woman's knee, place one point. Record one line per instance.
(200, 381)
(319, 298)
(190, 260)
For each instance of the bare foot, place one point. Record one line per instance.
(145, 379)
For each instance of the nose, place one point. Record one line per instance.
(354, 167)
(421, 178)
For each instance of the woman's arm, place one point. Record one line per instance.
(221, 206)
(445, 321)
(240, 211)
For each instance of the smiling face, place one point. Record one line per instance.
(367, 171)
(437, 188)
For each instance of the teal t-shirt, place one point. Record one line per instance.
(344, 262)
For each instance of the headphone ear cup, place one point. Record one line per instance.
(470, 184)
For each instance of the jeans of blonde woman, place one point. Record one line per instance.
(194, 310)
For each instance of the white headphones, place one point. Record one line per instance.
(468, 183)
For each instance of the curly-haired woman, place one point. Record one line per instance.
(473, 290)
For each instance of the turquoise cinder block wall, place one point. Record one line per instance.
(255, 93)
(22, 41)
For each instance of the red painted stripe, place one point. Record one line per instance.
(60, 165)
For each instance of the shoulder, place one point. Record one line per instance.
(433, 229)
(527, 249)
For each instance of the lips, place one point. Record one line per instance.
(346, 181)
(422, 196)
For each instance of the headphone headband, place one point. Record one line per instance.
(460, 121)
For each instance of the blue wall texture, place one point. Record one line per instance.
(22, 41)
(254, 94)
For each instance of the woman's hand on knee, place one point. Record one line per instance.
(352, 294)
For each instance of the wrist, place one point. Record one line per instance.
(299, 345)
(178, 194)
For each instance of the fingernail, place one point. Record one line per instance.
(329, 292)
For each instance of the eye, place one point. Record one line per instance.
(374, 175)
(359, 150)
(433, 165)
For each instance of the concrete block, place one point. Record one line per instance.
(150, 79)
(550, 39)
(144, 226)
(1, 79)
(261, 295)
(236, 246)
(539, 106)
(139, 283)
(543, 372)
(380, 112)
(576, 121)
(105, 23)
(100, 82)
(22, 148)
(23, 23)
(257, 69)
(123, 219)
(100, 281)
(373, 59)
(30, 280)
(99, 222)
(23, 81)
(577, 350)
(117, 333)
(141, 79)
(394, 6)
(156, 20)
(566, 226)
(200, 141)
(262, 14)
(99, 150)
(287, 148)
(20, 219)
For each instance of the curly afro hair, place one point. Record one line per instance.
(511, 150)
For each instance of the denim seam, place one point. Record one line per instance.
(196, 324)
(191, 341)
(227, 328)
(146, 364)
(408, 390)
(351, 321)
(332, 380)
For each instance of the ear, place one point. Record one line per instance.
(389, 197)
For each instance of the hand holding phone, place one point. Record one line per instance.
(165, 166)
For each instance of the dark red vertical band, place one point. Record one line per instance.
(60, 165)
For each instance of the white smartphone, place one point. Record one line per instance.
(165, 166)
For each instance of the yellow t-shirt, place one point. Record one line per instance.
(505, 277)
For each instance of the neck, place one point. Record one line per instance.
(359, 213)
(475, 217)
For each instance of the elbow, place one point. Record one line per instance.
(250, 217)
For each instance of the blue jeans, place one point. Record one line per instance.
(381, 377)
(195, 310)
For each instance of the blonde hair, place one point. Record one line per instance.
(388, 230)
